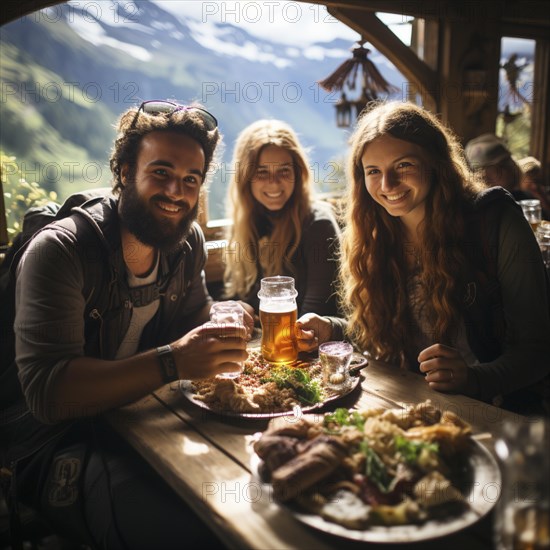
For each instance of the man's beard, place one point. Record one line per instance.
(139, 219)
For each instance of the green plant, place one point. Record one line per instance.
(19, 194)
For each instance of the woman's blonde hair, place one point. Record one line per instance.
(373, 272)
(247, 248)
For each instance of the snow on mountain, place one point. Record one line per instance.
(220, 39)
(131, 51)
(93, 32)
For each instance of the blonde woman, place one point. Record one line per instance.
(277, 228)
(438, 275)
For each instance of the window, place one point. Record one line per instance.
(517, 68)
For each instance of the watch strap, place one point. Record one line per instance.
(167, 364)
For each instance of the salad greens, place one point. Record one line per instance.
(343, 417)
(307, 390)
(375, 469)
(410, 450)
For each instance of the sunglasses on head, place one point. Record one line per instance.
(157, 107)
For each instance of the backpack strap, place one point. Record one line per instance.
(36, 220)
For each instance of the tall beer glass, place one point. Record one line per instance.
(278, 312)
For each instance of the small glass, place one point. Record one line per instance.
(335, 360)
(522, 515)
(227, 313)
(532, 212)
(543, 238)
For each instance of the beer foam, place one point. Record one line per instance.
(274, 307)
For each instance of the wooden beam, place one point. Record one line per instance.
(4, 238)
(532, 32)
(415, 8)
(387, 43)
(11, 10)
(468, 77)
(540, 106)
(528, 12)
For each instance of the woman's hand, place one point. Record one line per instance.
(445, 369)
(312, 330)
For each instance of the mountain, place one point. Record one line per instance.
(67, 72)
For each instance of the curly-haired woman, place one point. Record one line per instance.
(277, 228)
(438, 275)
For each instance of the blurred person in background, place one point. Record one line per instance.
(489, 158)
(533, 182)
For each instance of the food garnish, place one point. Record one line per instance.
(307, 390)
(361, 468)
(263, 388)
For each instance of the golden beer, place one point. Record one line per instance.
(531, 529)
(278, 338)
(534, 225)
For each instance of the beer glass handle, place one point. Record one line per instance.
(358, 362)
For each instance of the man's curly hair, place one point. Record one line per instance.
(130, 134)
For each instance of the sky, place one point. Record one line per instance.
(290, 23)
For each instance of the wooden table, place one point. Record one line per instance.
(206, 459)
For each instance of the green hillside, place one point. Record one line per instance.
(58, 138)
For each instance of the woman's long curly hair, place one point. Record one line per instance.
(248, 247)
(373, 269)
(132, 127)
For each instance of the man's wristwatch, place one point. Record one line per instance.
(167, 364)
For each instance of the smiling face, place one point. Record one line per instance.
(273, 182)
(397, 177)
(160, 202)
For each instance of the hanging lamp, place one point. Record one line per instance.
(345, 76)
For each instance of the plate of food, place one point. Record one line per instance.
(381, 476)
(265, 391)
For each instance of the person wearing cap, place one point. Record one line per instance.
(488, 156)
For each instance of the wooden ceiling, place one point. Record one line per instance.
(528, 12)
(534, 14)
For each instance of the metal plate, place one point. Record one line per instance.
(358, 363)
(481, 493)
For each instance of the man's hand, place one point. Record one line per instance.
(209, 350)
(239, 306)
(312, 330)
(249, 317)
(445, 369)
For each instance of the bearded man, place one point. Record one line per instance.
(111, 304)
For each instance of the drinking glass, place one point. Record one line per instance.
(532, 212)
(278, 313)
(227, 313)
(543, 238)
(335, 360)
(522, 515)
